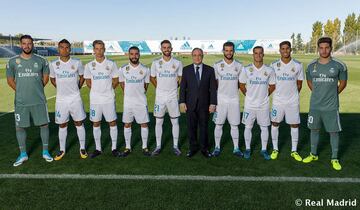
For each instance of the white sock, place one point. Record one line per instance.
(97, 137)
(158, 131)
(127, 135)
(81, 135)
(235, 135)
(217, 135)
(144, 136)
(175, 131)
(114, 136)
(275, 137)
(264, 137)
(294, 139)
(247, 136)
(62, 138)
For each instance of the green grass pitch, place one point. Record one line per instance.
(165, 194)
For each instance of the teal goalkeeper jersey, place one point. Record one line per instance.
(28, 74)
(325, 78)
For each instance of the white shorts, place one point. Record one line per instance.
(261, 116)
(229, 111)
(98, 110)
(162, 106)
(63, 110)
(291, 114)
(140, 113)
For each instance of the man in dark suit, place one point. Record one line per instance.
(198, 98)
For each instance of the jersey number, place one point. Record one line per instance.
(17, 117)
(246, 115)
(156, 108)
(92, 112)
(310, 119)
(273, 112)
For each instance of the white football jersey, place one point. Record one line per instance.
(166, 74)
(257, 86)
(287, 75)
(228, 77)
(101, 75)
(134, 78)
(67, 79)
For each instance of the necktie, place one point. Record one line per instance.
(197, 74)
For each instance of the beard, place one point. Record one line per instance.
(27, 52)
(325, 55)
(286, 56)
(167, 54)
(229, 57)
(134, 61)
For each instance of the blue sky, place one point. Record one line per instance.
(80, 20)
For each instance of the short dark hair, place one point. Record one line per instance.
(134, 48)
(285, 43)
(228, 44)
(95, 42)
(64, 41)
(165, 42)
(324, 40)
(196, 48)
(258, 47)
(26, 36)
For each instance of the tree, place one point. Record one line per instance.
(332, 29)
(18, 35)
(299, 44)
(293, 42)
(317, 32)
(350, 27)
(358, 34)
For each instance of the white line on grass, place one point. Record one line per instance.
(51, 97)
(182, 178)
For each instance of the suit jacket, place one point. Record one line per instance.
(193, 95)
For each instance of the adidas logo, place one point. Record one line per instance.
(186, 46)
(111, 48)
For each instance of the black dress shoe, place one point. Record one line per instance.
(206, 154)
(190, 154)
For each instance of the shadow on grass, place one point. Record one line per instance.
(348, 137)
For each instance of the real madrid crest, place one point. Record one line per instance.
(58, 63)
(173, 66)
(17, 61)
(36, 65)
(107, 68)
(141, 72)
(73, 67)
(315, 67)
(93, 65)
(278, 64)
(251, 69)
(127, 68)
(236, 69)
(160, 62)
(266, 74)
(293, 69)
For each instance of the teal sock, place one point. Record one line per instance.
(334, 141)
(314, 139)
(44, 133)
(21, 138)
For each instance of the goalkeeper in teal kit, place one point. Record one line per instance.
(27, 74)
(326, 78)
